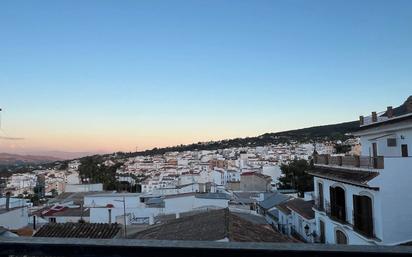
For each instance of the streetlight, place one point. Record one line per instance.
(124, 215)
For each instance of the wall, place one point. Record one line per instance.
(15, 218)
(83, 188)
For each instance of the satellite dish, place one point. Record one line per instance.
(3, 134)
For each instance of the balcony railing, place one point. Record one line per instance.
(350, 161)
(64, 247)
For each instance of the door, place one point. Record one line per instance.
(404, 150)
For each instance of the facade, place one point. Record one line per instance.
(253, 181)
(366, 199)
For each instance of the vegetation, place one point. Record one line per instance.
(295, 176)
(92, 170)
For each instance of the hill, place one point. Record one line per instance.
(16, 159)
(318, 133)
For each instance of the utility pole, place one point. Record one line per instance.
(124, 215)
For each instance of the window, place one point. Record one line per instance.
(341, 238)
(362, 215)
(52, 220)
(391, 142)
(337, 203)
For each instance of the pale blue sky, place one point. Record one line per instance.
(110, 75)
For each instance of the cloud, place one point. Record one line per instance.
(11, 138)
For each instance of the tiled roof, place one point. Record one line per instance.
(355, 177)
(79, 230)
(304, 208)
(211, 226)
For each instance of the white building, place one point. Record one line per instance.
(366, 199)
(13, 213)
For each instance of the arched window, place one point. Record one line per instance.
(341, 238)
(338, 203)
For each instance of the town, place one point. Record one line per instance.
(292, 192)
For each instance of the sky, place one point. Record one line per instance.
(104, 76)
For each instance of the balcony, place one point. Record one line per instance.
(40, 247)
(350, 161)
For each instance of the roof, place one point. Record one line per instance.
(211, 226)
(302, 207)
(353, 177)
(251, 173)
(283, 208)
(71, 212)
(400, 113)
(76, 197)
(213, 196)
(79, 230)
(273, 200)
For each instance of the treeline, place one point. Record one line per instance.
(92, 170)
(313, 134)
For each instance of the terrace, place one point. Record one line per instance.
(350, 161)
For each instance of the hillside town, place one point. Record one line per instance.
(243, 194)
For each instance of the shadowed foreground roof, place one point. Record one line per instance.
(211, 226)
(79, 230)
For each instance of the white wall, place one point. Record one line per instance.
(75, 188)
(15, 218)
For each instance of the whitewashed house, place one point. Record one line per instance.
(13, 213)
(366, 199)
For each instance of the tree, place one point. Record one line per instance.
(295, 176)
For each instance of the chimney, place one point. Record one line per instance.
(361, 120)
(8, 201)
(389, 112)
(374, 117)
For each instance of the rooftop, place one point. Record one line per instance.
(79, 230)
(212, 226)
(353, 177)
